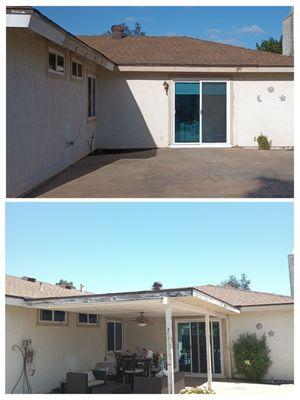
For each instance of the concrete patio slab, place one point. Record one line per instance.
(241, 388)
(176, 173)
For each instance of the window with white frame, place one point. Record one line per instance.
(56, 61)
(77, 69)
(114, 336)
(52, 316)
(91, 96)
(88, 319)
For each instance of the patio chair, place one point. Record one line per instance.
(130, 369)
(119, 370)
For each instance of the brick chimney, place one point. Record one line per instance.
(291, 271)
(117, 31)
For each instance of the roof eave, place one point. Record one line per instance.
(35, 21)
(206, 69)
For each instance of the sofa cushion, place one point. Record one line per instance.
(91, 376)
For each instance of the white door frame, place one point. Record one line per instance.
(200, 144)
(201, 319)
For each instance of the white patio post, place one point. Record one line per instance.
(169, 341)
(228, 347)
(208, 351)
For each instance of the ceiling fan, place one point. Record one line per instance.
(141, 320)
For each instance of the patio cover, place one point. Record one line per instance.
(168, 303)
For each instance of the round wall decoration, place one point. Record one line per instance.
(271, 89)
(259, 325)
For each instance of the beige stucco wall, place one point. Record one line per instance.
(56, 348)
(59, 348)
(151, 336)
(43, 113)
(281, 344)
(133, 110)
(270, 116)
(136, 112)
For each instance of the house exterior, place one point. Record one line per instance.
(73, 330)
(69, 95)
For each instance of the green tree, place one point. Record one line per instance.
(272, 45)
(233, 281)
(65, 282)
(135, 31)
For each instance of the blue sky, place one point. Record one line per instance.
(243, 26)
(127, 246)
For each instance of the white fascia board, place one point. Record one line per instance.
(113, 298)
(17, 20)
(41, 27)
(219, 303)
(270, 307)
(15, 301)
(145, 68)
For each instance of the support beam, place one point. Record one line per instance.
(228, 348)
(208, 351)
(169, 341)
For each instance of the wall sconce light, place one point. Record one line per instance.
(166, 86)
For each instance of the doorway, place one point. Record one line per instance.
(201, 110)
(191, 347)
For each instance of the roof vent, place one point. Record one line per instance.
(28, 279)
(117, 31)
(157, 286)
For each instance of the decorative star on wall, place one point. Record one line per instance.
(271, 333)
(282, 97)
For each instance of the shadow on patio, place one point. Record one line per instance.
(271, 187)
(87, 165)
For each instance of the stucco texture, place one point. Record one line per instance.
(133, 110)
(280, 325)
(56, 348)
(44, 112)
(256, 110)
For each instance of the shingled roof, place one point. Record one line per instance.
(244, 298)
(181, 51)
(19, 287)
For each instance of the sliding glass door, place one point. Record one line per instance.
(200, 112)
(187, 112)
(192, 347)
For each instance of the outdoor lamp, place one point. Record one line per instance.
(166, 86)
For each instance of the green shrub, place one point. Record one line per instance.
(263, 142)
(251, 356)
(196, 390)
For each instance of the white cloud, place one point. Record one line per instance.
(213, 37)
(252, 29)
(213, 31)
